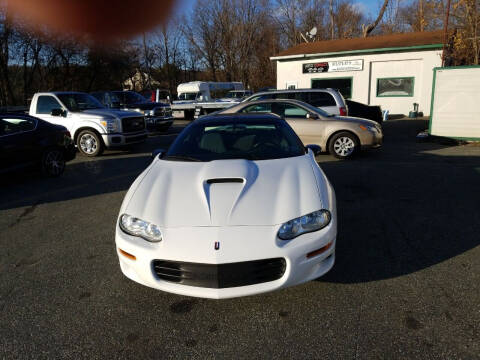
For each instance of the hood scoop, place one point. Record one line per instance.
(225, 180)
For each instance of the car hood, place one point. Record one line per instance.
(146, 105)
(356, 120)
(106, 113)
(267, 192)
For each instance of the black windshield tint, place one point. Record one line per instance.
(236, 140)
(133, 98)
(79, 102)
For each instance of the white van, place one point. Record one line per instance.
(204, 91)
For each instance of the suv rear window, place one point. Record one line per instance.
(320, 99)
(317, 99)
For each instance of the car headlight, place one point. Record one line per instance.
(149, 112)
(110, 125)
(304, 224)
(141, 228)
(370, 128)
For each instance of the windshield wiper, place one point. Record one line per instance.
(181, 158)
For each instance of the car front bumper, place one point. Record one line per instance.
(122, 139)
(372, 140)
(158, 123)
(237, 246)
(70, 152)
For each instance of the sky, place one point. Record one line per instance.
(369, 8)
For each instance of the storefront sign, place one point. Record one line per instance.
(333, 66)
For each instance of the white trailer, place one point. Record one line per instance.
(455, 110)
(201, 97)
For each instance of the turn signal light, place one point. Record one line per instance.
(127, 255)
(319, 251)
(343, 111)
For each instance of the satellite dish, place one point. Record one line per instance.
(313, 32)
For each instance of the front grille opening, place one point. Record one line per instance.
(218, 276)
(132, 124)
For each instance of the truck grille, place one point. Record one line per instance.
(163, 111)
(218, 276)
(133, 124)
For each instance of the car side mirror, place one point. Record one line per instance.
(316, 149)
(158, 153)
(58, 112)
(312, 116)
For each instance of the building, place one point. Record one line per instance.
(393, 71)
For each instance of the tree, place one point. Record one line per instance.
(367, 29)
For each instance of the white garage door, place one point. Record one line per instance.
(395, 85)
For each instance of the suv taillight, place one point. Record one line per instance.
(343, 111)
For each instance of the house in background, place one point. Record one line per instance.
(393, 71)
(140, 81)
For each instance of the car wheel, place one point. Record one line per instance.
(343, 145)
(89, 143)
(53, 162)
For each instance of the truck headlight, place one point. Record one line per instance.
(141, 228)
(149, 112)
(304, 224)
(110, 125)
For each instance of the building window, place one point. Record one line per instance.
(391, 87)
(344, 85)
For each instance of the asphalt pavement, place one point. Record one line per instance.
(405, 284)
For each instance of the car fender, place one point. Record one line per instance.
(88, 124)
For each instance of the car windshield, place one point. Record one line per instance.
(133, 98)
(317, 110)
(235, 94)
(187, 96)
(78, 102)
(224, 139)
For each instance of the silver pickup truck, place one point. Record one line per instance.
(92, 126)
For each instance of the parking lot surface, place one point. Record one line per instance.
(405, 284)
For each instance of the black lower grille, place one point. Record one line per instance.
(133, 124)
(220, 276)
(138, 138)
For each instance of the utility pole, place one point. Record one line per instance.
(445, 32)
(422, 19)
(332, 33)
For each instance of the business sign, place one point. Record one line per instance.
(333, 66)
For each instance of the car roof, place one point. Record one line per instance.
(293, 101)
(17, 114)
(258, 117)
(295, 90)
(61, 92)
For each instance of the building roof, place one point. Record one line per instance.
(393, 42)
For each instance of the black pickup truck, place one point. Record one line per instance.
(158, 116)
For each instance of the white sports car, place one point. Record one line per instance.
(237, 206)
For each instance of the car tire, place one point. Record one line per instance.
(343, 145)
(53, 162)
(89, 143)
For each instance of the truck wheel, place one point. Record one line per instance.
(343, 145)
(53, 162)
(89, 143)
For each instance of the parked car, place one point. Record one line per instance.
(342, 136)
(26, 141)
(158, 115)
(92, 126)
(371, 112)
(236, 95)
(237, 206)
(329, 100)
(164, 95)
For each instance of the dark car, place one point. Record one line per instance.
(158, 115)
(26, 141)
